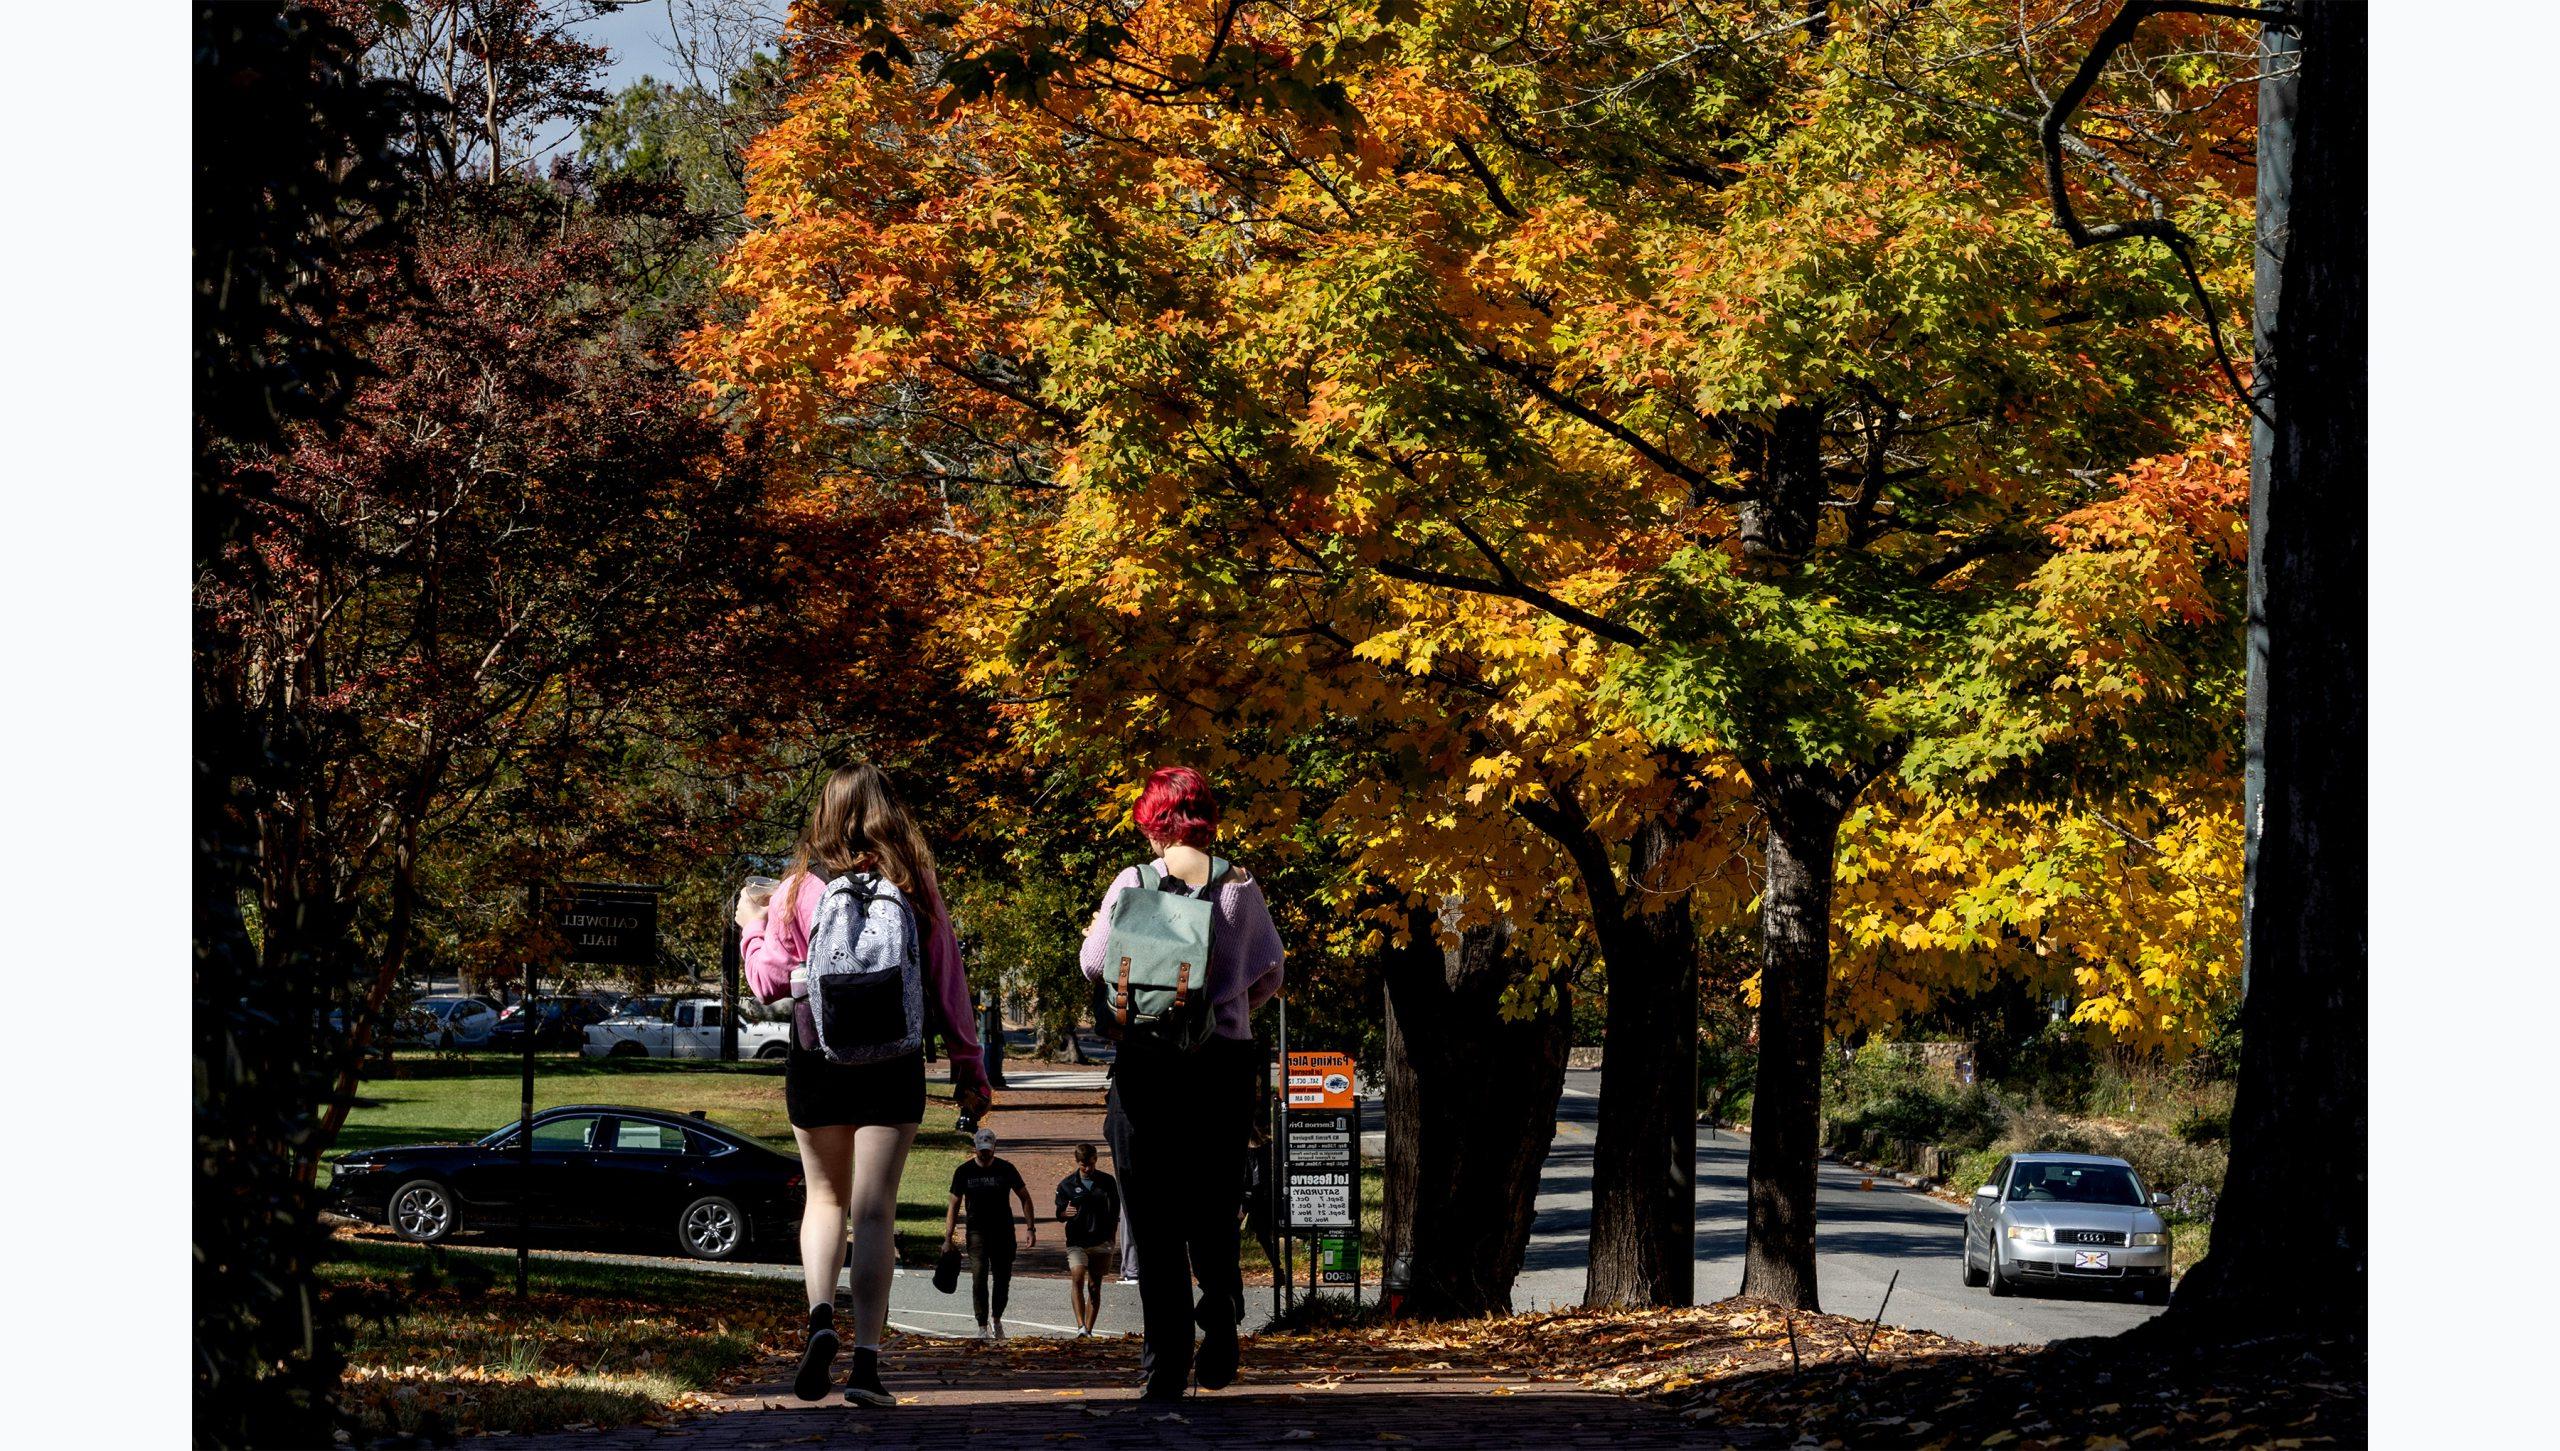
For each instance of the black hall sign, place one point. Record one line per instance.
(613, 925)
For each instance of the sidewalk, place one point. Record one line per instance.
(1024, 1393)
(1045, 1110)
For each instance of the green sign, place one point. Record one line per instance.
(1338, 1258)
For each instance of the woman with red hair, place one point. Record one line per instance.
(1177, 1118)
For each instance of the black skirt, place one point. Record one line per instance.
(821, 1093)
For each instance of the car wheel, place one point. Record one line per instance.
(712, 1228)
(628, 1050)
(774, 1051)
(1973, 1278)
(2002, 1287)
(423, 1211)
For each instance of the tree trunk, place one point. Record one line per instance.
(1471, 1109)
(2278, 88)
(1782, 511)
(1644, 1212)
(2283, 1259)
(1803, 808)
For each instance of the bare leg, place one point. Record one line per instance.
(879, 1158)
(826, 1163)
(1075, 1297)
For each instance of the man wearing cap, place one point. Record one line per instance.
(982, 1181)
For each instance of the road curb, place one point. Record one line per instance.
(1926, 1188)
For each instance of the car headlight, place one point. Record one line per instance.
(2142, 1240)
(2034, 1232)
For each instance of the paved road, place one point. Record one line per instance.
(1862, 1238)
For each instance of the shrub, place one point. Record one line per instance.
(1971, 1171)
(2205, 1124)
(2168, 1163)
(1883, 1092)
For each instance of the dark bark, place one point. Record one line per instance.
(1471, 1109)
(2283, 1258)
(1779, 519)
(1644, 1166)
(1803, 808)
(2278, 87)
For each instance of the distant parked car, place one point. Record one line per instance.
(593, 1167)
(461, 1022)
(690, 1030)
(2067, 1219)
(564, 1024)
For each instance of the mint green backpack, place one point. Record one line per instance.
(1155, 968)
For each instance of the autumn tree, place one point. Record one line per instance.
(492, 72)
(2278, 1263)
(1649, 437)
(302, 194)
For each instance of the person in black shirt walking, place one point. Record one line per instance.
(1089, 1203)
(981, 1182)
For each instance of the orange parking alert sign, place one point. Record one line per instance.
(1319, 1080)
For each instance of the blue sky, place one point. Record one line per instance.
(637, 34)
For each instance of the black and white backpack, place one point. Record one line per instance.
(865, 974)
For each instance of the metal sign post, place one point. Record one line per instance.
(1320, 1165)
(610, 923)
(1285, 1272)
(524, 1124)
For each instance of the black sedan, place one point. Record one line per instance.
(593, 1167)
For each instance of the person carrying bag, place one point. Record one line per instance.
(1181, 952)
(855, 937)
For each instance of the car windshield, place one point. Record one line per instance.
(2073, 1184)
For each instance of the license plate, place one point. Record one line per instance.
(2089, 1259)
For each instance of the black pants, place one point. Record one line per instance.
(1176, 1124)
(990, 1271)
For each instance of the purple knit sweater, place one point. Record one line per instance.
(1244, 948)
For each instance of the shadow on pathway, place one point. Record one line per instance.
(1026, 1393)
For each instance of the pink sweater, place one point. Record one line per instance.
(1244, 948)
(769, 954)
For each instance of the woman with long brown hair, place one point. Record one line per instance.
(855, 1122)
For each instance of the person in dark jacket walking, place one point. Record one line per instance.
(1176, 1117)
(1089, 1205)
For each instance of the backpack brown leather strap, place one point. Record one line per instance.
(1124, 992)
(1182, 987)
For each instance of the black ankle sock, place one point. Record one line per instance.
(822, 1317)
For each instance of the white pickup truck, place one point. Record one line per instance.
(686, 1028)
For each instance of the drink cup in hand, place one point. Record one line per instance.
(753, 898)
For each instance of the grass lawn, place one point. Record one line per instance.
(443, 1346)
(465, 1098)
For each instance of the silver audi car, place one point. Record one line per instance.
(2049, 1219)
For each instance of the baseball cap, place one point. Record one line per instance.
(986, 1138)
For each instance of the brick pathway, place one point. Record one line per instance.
(1025, 1393)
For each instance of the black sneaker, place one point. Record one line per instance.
(862, 1387)
(811, 1383)
(1215, 1363)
